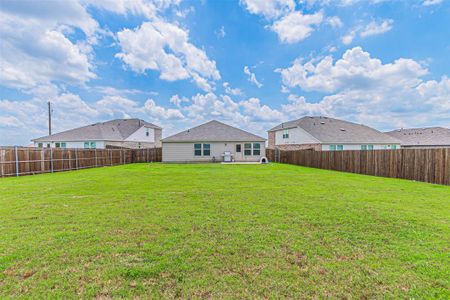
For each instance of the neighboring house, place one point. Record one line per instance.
(210, 142)
(125, 133)
(432, 137)
(328, 134)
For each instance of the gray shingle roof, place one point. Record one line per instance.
(114, 130)
(213, 131)
(432, 136)
(328, 130)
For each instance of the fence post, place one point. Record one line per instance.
(51, 159)
(76, 158)
(110, 157)
(95, 154)
(17, 160)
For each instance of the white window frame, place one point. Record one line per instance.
(285, 134)
(202, 149)
(252, 149)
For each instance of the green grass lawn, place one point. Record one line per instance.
(222, 231)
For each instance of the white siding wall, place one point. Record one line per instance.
(184, 152)
(140, 135)
(358, 146)
(99, 144)
(296, 136)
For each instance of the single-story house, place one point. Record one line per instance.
(328, 134)
(124, 133)
(432, 137)
(213, 142)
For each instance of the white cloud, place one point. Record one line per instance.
(230, 90)
(177, 100)
(335, 22)
(269, 8)
(363, 89)
(35, 48)
(161, 113)
(165, 47)
(374, 28)
(296, 27)
(148, 9)
(432, 2)
(253, 108)
(252, 77)
(348, 38)
(356, 69)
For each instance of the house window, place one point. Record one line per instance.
(57, 145)
(363, 147)
(86, 145)
(369, 147)
(147, 133)
(238, 148)
(202, 148)
(198, 149)
(336, 147)
(63, 144)
(40, 145)
(393, 146)
(285, 133)
(248, 149)
(256, 149)
(206, 149)
(93, 145)
(48, 145)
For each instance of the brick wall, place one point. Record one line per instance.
(271, 142)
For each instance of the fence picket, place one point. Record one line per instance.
(428, 165)
(26, 161)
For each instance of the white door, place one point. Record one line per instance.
(238, 152)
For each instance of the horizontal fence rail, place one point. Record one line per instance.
(428, 165)
(15, 161)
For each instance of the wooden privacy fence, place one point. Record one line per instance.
(16, 161)
(428, 165)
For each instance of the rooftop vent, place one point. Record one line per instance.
(342, 129)
(322, 122)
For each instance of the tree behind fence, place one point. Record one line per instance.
(27, 161)
(429, 165)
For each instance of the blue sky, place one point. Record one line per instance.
(249, 63)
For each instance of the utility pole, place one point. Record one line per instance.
(49, 118)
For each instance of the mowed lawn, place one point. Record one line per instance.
(222, 231)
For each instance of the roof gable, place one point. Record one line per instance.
(214, 131)
(329, 130)
(114, 130)
(431, 136)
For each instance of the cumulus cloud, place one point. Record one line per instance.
(296, 26)
(35, 48)
(356, 69)
(165, 47)
(252, 77)
(363, 89)
(269, 8)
